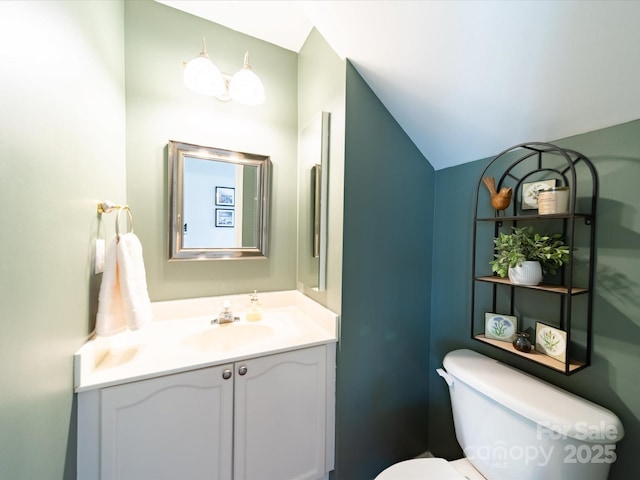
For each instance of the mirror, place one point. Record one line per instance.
(316, 198)
(219, 203)
(313, 161)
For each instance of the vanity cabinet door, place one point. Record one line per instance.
(280, 416)
(173, 427)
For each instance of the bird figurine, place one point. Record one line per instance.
(499, 200)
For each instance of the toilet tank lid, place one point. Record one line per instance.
(545, 404)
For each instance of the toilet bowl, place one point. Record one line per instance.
(511, 425)
(431, 468)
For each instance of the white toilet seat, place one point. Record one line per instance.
(466, 468)
(431, 468)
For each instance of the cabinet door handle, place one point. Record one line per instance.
(226, 374)
(242, 370)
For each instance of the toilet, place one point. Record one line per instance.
(511, 425)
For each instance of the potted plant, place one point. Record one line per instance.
(524, 255)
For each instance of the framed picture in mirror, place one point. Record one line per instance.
(225, 217)
(225, 196)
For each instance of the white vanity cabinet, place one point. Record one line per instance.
(281, 411)
(264, 418)
(177, 426)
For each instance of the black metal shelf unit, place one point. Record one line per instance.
(564, 301)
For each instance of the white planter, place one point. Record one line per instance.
(529, 273)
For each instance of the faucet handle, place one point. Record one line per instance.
(225, 316)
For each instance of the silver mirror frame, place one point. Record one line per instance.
(176, 154)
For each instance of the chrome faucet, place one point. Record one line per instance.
(226, 315)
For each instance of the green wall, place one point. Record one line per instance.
(160, 108)
(62, 148)
(67, 141)
(321, 87)
(612, 379)
(382, 376)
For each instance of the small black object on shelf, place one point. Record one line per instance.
(522, 342)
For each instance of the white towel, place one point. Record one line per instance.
(110, 318)
(133, 282)
(123, 300)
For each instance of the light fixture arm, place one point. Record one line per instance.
(203, 53)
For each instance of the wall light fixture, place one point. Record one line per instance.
(203, 77)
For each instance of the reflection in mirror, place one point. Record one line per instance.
(316, 190)
(313, 164)
(219, 203)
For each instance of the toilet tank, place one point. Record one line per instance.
(511, 425)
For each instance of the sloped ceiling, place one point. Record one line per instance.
(467, 79)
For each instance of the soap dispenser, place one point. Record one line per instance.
(254, 311)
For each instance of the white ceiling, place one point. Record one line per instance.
(467, 79)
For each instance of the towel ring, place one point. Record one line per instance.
(130, 220)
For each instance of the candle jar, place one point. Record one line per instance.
(553, 200)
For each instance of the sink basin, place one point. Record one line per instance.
(118, 357)
(228, 337)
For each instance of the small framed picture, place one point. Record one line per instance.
(531, 190)
(551, 341)
(226, 196)
(500, 327)
(225, 217)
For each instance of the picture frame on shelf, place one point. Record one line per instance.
(531, 190)
(225, 217)
(498, 326)
(226, 196)
(551, 341)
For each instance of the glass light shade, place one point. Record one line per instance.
(203, 77)
(246, 87)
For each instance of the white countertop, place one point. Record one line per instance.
(181, 337)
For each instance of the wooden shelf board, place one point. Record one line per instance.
(533, 355)
(524, 217)
(543, 286)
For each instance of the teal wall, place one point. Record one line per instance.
(62, 148)
(612, 379)
(382, 376)
(160, 108)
